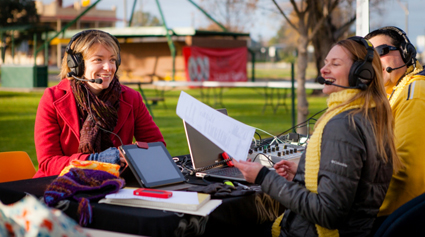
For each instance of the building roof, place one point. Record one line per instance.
(83, 18)
(156, 31)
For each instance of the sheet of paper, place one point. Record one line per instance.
(227, 133)
(178, 196)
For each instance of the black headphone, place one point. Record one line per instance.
(362, 69)
(75, 61)
(407, 50)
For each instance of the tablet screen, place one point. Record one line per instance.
(154, 166)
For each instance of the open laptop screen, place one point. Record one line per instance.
(202, 151)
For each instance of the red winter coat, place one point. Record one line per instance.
(57, 127)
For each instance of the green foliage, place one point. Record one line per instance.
(17, 12)
(18, 111)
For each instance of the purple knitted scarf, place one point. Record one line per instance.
(82, 185)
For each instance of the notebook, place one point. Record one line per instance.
(181, 200)
(206, 156)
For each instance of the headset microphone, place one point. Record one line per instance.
(390, 69)
(322, 81)
(97, 80)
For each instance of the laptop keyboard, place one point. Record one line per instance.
(231, 172)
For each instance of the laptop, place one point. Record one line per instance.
(206, 156)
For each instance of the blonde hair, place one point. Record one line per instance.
(86, 45)
(381, 119)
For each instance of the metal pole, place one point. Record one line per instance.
(252, 64)
(125, 11)
(206, 14)
(35, 45)
(13, 47)
(293, 96)
(170, 41)
(132, 12)
(46, 51)
(3, 48)
(406, 16)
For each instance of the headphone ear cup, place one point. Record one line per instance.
(358, 70)
(76, 63)
(352, 76)
(118, 62)
(409, 53)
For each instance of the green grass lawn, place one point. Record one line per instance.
(281, 73)
(18, 110)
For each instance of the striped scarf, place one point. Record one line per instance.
(97, 113)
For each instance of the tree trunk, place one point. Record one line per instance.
(302, 61)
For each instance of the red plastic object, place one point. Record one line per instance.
(156, 193)
(226, 156)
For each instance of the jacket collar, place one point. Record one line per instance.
(67, 108)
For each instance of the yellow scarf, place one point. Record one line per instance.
(407, 79)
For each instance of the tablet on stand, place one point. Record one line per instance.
(152, 164)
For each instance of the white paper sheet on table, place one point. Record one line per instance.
(227, 133)
(181, 197)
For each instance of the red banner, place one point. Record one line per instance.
(212, 64)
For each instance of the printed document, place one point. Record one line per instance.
(227, 133)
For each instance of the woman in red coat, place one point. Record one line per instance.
(89, 113)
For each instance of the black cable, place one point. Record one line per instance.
(298, 125)
(185, 166)
(206, 181)
(271, 161)
(259, 136)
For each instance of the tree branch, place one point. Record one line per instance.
(284, 15)
(341, 30)
(320, 22)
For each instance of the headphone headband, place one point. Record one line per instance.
(367, 44)
(398, 30)
(407, 49)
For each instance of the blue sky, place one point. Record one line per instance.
(181, 13)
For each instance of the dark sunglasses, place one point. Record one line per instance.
(385, 49)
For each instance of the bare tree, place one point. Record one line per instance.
(306, 28)
(235, 15)
(334, 27)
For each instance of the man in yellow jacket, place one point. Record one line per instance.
(404, 81)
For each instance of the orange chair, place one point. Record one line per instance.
(15, 165)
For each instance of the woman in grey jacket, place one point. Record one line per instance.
(342, 178)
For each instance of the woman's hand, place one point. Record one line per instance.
(123, 161)
(249, 170)
(286, 169)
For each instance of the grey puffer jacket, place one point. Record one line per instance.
(352, 183)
